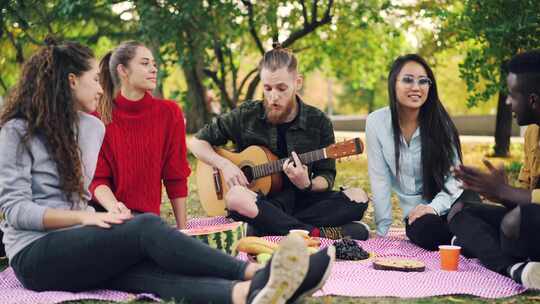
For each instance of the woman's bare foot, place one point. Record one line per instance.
(251, 269)
(240, 292)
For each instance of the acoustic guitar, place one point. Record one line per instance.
(262, 170)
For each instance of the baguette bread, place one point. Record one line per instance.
(255, 245)
(312, 242)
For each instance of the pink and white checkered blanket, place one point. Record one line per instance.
(359, 279)
(354, 279)
(12, 292)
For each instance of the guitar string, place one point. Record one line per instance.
(277, 165)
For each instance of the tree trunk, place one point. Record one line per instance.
(155, 47)
(503, 127)
(371, 100)
(252, 87)
(193, 67)
(503, 124)
(197, 114)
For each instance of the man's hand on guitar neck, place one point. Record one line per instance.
(232, 174)
(297, 172)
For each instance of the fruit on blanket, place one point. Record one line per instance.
(313, 242)
(255, 245)
(310, 241)
(347, 249)
(222, 237)
(312, 250)
(262, 258)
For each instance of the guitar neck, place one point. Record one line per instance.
(277, 165)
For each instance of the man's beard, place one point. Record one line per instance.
(278, 116)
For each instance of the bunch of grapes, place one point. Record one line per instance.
(347, 249)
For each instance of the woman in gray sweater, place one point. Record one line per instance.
(55, 241)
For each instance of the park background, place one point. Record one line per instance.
(208, 50)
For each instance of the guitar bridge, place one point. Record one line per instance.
(217, 184)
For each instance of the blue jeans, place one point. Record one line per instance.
(143, 254)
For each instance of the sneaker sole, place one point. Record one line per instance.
(332, 254)
(531, 275)
(289, 268)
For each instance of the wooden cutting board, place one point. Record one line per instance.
(398, 264)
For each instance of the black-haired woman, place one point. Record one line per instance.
(411, 147)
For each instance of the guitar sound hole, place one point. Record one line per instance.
(248, 172)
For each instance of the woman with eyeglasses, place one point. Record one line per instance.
(411, 146)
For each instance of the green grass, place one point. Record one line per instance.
(353, 173)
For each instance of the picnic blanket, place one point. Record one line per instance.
(359, 279)
(12, 292)
(354, 279)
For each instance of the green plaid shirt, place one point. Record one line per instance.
(246, 126)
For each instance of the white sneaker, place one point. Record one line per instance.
(530, 276)
(288, 268)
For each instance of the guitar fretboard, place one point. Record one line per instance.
(277, 165)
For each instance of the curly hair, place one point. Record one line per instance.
(43, 98)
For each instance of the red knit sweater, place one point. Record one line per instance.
(144, 145)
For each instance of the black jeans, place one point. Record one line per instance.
(478, 230)
(2, 249)
(143, 254)
(530, 231)
(430, 230)
(292, 209)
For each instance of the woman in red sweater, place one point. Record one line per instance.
(144, 143)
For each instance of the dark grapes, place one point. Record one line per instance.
(347, 249)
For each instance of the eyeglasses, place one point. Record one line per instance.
(422, 82)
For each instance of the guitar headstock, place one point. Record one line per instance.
(347, 148)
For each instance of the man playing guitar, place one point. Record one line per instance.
(285, 125)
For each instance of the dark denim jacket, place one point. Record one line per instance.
(246, 126)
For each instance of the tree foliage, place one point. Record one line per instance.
(211, 40)
(217, 43)
(24, 25)
(356, 49)
(495, 30)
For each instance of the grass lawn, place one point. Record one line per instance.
(353, 173)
